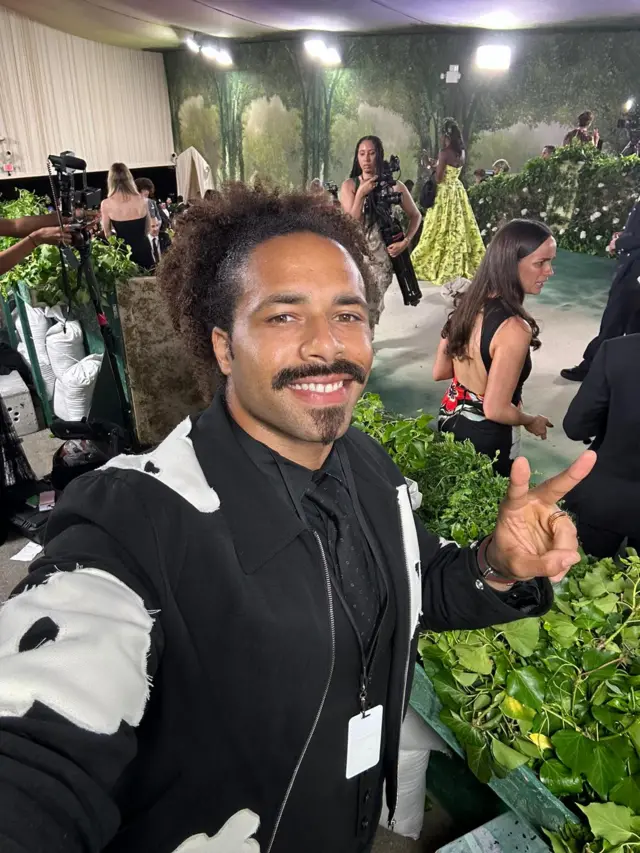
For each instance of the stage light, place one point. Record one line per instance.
(331, 57)
(218, 55)
(316, 48)
(629, 105)
(224, 58)
(493, 57)
(192, 44)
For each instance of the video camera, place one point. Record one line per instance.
(630, 121)
(332, 188)
(71, 199)
(378, 208)
(70, 204)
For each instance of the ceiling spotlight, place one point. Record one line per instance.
(209, 51)
(224, 58)
(192, 44)
(331, 57)
(493, 57)
(629, 105)
(316, 48)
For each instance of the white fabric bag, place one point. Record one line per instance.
(74, 391)
(417, 739)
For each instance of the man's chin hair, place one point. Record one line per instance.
(330, 423)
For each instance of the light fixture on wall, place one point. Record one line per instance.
(218, 55)
(493, 57)
(192, 44)
(317, 49)
(628, 106)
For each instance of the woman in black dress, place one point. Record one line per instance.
(126, 212)
(486, 343)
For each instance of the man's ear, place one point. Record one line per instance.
(222, 350)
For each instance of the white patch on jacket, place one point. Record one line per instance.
(175, 464)
(415, 495)
(234, 837)
(94, 673)
(411, 554)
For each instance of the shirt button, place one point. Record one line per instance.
(365, 823)
(367, 796)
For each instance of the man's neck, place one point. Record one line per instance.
(308, 454)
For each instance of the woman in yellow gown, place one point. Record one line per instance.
(450, 247)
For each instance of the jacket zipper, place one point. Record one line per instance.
(305, 748)
(406, 668)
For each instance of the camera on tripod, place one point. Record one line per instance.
(378, 208)
(331, 188)
(72, 199)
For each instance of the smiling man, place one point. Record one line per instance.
(214, 654)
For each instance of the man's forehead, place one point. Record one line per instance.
(302, 258)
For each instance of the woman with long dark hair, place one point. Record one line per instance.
(486, 343)
(365, 174)
(450, 247)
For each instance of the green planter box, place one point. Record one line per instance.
(521, 790)
(505, 833)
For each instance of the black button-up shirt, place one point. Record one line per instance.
(323, 500)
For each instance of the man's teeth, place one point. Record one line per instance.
(318, 387)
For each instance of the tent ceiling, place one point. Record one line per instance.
(162, 23)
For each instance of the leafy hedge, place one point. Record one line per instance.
(560, 693)
(584, 196)
(41, 270)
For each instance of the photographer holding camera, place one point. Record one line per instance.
(31, 231)
(366, 175)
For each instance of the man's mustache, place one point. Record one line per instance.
(312, 371)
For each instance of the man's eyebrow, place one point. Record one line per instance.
(350, 299)
(292, 298)
(289, 298)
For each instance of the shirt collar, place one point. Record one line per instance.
(275, 467)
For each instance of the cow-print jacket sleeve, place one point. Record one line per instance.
(80, 640)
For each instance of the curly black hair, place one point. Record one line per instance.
(451, 129)
(200, 273)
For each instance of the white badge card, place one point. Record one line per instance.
(365, 737)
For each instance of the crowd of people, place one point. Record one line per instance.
(213, 652)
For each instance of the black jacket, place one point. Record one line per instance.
(606, 410)
(194, 652)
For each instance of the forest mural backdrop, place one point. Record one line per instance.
(280, 116)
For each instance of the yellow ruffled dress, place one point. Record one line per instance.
(450, 246)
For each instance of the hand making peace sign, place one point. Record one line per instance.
(532, 538)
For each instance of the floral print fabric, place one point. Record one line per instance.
(450, 246)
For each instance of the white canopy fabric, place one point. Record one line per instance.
(193, 174)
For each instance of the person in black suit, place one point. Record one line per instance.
(622, 313)
(606, 410)
(160, 242)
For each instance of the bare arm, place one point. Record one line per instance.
(19, 251)
(16, 254)
(441, 167)
(443, 365)
(409, 207)
(106, 220)
(26, 225)
(352, 200)
(511, 344)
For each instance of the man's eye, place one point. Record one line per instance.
(280, 319)
(350, 318)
